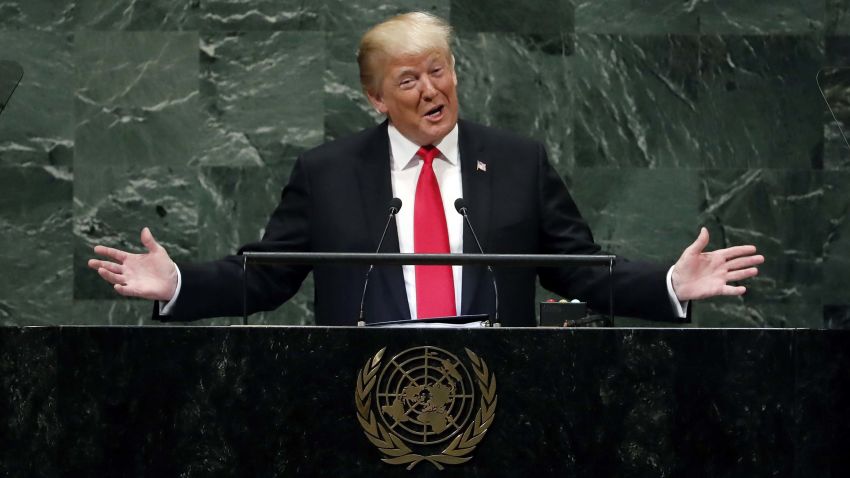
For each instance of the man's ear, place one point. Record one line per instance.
(377, 101)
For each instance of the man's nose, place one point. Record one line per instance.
(428, 89)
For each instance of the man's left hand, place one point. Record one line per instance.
(698, 274)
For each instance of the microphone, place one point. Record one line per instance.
(395, 207)
(460, 206)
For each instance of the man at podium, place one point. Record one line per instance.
(338, 196)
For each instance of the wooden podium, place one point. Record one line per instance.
(292, 401)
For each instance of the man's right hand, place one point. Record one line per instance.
(152, 275)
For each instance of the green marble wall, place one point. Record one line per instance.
(661, 115)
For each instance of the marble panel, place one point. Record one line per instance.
(35, 244)
(121, 311)
(31, 427)
(346, 109)
(519, 83)
(128, 136)
(756, 312)
(652, 17)
(762, 17)
(836, 316)
(150, 15)
(37, 126)
(112, 206)
(261, 97)
(636, 101)
(135, 68)
(836, 246)
(545, 17)
(758, 101)
(247, 15)
(639, 213)
(837, 17)
(46, 15)
(756, 207)
(235, 205)
(357, 17)
(136, 98)
(836, 153)
(834, 85)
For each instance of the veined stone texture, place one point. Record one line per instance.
(661, 116)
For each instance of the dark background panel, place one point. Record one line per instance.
(189, 401)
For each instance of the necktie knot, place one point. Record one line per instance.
(428, 153)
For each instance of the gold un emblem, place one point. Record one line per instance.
(424, 405)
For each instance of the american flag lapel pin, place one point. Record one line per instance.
(481, 166)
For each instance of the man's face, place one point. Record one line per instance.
(419, 94)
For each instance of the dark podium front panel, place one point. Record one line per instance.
(315, 401)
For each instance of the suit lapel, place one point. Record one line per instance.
(476, 173)
(375, 183)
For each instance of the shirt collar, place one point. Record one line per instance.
(404, 150)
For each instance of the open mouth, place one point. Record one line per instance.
(435, 112)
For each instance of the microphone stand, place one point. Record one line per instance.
(460, 206)
(395, 207)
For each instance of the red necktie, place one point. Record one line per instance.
(435, 290)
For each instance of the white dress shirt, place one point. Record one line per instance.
(405, 166)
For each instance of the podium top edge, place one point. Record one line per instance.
(365, 258)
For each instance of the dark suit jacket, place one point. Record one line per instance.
(337, 200)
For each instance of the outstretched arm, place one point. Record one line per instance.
(151, 275)
(699, 275)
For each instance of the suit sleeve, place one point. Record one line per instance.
(215, 289)
(640, 288)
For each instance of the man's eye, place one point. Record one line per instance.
(407, 82)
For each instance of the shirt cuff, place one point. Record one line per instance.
(679, 308)
(166, 309)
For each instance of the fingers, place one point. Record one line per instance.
(733, 290)
(742, 274)
(148, 241)
(116, 255)
(110, 266)
(124, 290)
(736, 251)
(119, 284)
(111, 277)
(744, 262)
(699, 244)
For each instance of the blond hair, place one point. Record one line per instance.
(409, 34)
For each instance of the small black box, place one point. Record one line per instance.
(555, 314)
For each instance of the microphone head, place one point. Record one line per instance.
(460, 205)
(395, 205)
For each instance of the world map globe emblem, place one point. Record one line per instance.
(425, 395)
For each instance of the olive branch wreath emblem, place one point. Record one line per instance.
(395, 451)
